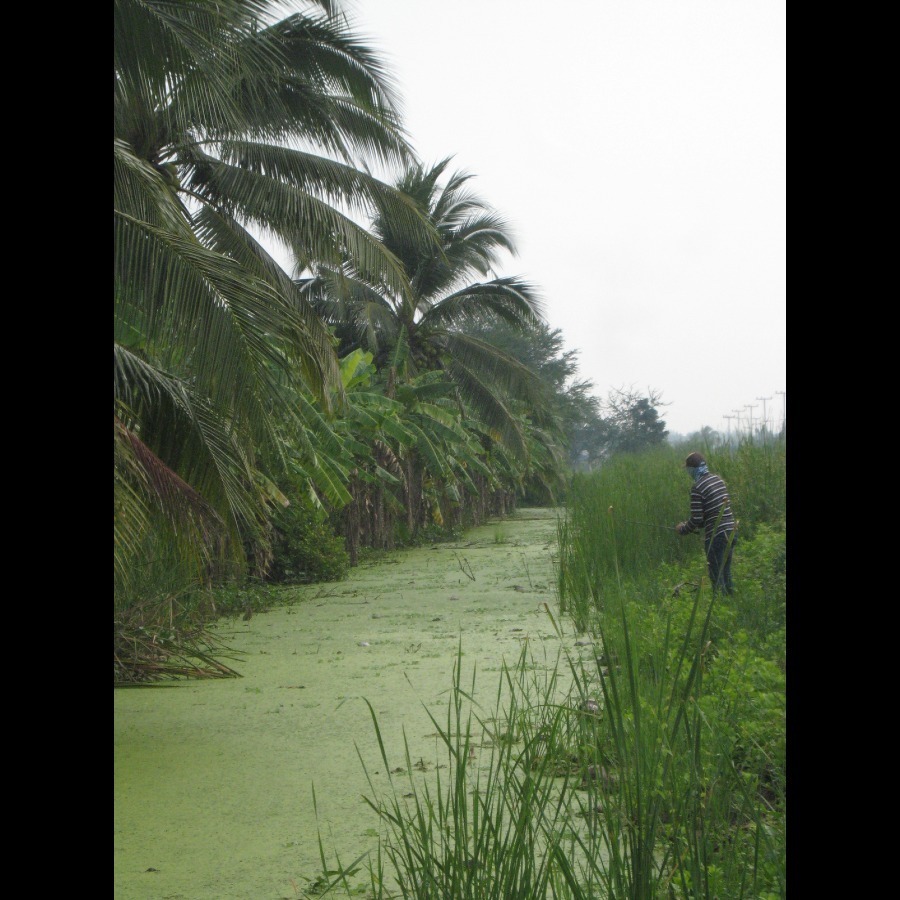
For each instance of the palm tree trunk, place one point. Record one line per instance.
(413, 494)
(352, 522)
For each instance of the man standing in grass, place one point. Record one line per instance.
(711, 510)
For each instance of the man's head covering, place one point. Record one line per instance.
(694, 459)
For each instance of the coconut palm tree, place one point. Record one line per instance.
(232, 124)
(453, 289)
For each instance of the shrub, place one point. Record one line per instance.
(306, 549)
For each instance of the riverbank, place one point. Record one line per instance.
(214, 780)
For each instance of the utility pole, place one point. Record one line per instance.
(765, 418)
(783, 408)
(728, 420)
(751, 407)
(737, 413)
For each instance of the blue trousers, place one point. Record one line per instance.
(718, 560)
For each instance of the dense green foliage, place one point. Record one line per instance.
(368, 388)
(212, 339)
(227, 380)
(215, 347)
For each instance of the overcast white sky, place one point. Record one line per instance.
(637, 148)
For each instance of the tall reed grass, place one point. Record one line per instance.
(619, 525)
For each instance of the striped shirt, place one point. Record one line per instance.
(710, 507)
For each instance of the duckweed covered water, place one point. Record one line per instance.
(214, 779)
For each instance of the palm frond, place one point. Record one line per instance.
(141, 191)
(509, 299)
(162, 489)
(324, 60)
(184, 432)
(159, 48)
(495, 367)
(488, 405)
(313, 352)
(231, 327)
(315, 229)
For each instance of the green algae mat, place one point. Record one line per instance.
(214, 780)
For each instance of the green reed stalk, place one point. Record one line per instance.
(485, 831)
